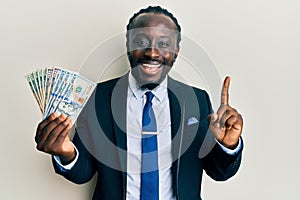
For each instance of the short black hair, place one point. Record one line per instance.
(156, 10)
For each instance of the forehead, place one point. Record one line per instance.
(152, 24)
(153, 20)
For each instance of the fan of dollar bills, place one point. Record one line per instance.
(59, 90)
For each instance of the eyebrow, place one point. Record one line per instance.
(142, 34)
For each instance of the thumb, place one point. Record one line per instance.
(213, 118)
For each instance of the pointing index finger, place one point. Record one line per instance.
(225, 93)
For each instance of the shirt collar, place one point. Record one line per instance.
(159, 92)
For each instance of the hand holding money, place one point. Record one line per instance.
(52, 137)
(61, 94)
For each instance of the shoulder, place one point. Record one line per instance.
(200, 93)
(193, 96)
(106, 87)
(107, 84)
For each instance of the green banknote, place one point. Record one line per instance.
(60, 90)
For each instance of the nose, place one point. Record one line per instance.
(151, 53)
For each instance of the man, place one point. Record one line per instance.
(112, 129)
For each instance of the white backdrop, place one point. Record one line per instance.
(256, 42)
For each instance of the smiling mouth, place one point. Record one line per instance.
(151, 67)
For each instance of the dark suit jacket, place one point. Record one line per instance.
(101, 142)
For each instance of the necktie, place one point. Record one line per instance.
(149, 175)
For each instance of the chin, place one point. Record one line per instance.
(143, 78)
(144, 81)
(150, 79)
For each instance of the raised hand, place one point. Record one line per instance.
(227, 123)
(52, 137)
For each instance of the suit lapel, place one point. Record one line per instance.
(177, 107)
(119, 107)
(174, 99)
(119, 111)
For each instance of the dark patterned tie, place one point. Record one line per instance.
(149, 175)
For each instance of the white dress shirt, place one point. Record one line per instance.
(160, 104)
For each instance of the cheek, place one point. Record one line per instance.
(136, 54)
(169, 57)
(132, 58)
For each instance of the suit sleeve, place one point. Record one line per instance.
(219, 165)
(84, 168)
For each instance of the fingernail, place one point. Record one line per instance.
(214, 117)
(62, 116)
(67, 121)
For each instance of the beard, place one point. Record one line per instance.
(148, 80)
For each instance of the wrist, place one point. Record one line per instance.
(230, 146)
(68, 158)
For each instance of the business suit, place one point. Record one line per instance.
(102, 129)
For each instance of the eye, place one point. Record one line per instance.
(163, 44)
(142, 43)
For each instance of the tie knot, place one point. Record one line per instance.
(150, 96)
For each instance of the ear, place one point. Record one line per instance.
(127, 47)
(176, 51)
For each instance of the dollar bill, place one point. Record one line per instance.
(59, 90)
(56, 90)
(33, 88)
(40, 77)
(52, 81)
(36, 80)
(76, 96)
(44, 79)
(48, 81)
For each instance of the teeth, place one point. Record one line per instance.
(151, 66)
